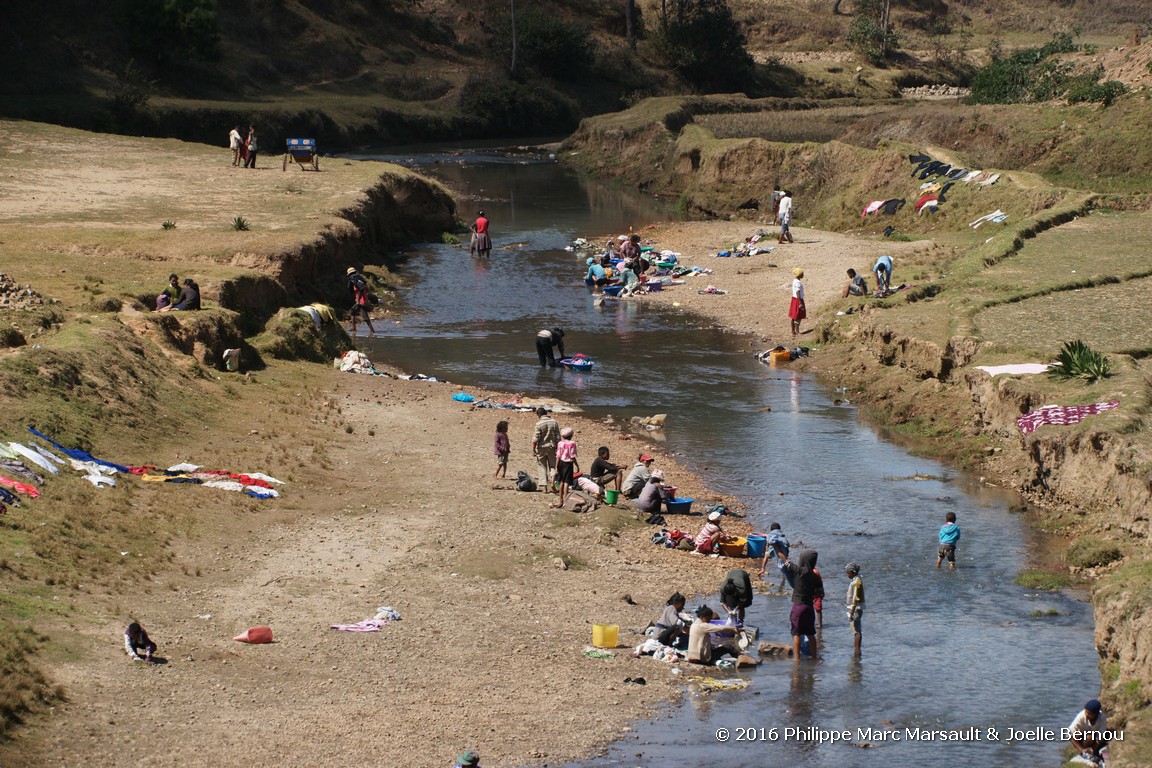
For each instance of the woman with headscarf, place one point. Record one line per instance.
(736, 593)
(808, 586)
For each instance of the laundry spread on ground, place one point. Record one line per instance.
(1060, 415)
(385, 615)
(1015, 369)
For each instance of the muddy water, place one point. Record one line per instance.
(942, 651)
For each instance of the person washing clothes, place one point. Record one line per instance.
(652, 496)
(777, 542)
(481, 240)
(670, 626)
(736, 593)
(1088, 733)
(883, 270)
(545, 340)
(808, 587)
(597, 276)
(701, 649)
(638, 478)
(709, 535)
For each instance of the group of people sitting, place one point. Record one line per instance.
(625, 266)
(175, 297)
(698, 635)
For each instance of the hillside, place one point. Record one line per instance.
(382, 71)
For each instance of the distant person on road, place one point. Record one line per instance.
(189, 298)
(855, 603)
(883, 270)
(857, 285)
(136, 641)
(250, 162)
(481, 241)
(545, 438)
(949, 535)
(784, 214)
(361, 301)
(502, 448)
(545, 340)
(235, 143)
(797, 310)
(1088, 733)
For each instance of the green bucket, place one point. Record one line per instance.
(611, 496)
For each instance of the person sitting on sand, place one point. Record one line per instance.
(653, 495)
(670, 626)
(857, 285)
(137, 640)
(709, 535)
(604, 472)
(701, 648)
(638, 477)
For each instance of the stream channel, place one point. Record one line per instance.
(942, 651)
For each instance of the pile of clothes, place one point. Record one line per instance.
(938, 177)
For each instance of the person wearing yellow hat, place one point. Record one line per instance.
(797, 310)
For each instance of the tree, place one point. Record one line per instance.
(704, 43)
(166, 31)
(871, 32)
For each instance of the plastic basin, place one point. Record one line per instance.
(605, 635)
(613, 290)
(733, 547)
(679, 506)
(756, 546)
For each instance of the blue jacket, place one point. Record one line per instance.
(950, 533)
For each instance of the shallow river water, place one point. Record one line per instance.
(942, 651)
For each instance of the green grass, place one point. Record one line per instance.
(1043, 579)
(1092, 552)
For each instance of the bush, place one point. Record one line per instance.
(704, 44)
(172, 31)
(546, 45)
(1089, 552)
(870, 32)
(505, 107)
(1104, 93)
(1026, 75)
(1079, 361)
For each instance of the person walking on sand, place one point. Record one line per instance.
(796, 309)
(502, 448)
(481, 241)
(784, 214)
(235, 142)
(855, 603)
(949, 535)
(251, 161)
(566, 463)
(545, 438)
(361, 301)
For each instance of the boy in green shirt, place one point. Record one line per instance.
(855, 602)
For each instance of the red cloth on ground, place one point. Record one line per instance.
(1060, 415)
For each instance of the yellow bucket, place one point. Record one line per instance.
(605, 635)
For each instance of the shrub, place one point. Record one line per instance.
(704, 44)
(449, 239)
(171, 31)
(546, 45)
(1104, 93)
(168, 224)
(1079, 361)
(132, 90)
(240, 224)
(870, 32)
(505, 107)
(1026, 75)
(1090, 552)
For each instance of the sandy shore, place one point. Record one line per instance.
(759, 287)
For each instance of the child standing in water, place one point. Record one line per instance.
(502, 448)
(855, 602)
(949, 535)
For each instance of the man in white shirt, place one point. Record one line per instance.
(1088, 732)
(784, 214)
(234, 143)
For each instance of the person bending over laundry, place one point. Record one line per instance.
(545, 340)
(652, 496)
(137, 640)
(701, 648)
(709, 535)
(883, 270)
(670, 626)
(777, 542)
(597, 276)
(638, 477)
(1088, 733)
(857, 285)
(736, 593)
(604, 472)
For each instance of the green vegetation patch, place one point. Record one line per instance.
(1091, 552)
(23, 688)
(1043, 578)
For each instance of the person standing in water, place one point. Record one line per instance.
(855, 603)
(808, 587)
(361, 302)
(949, 535)
(545, 340)
(481, 240)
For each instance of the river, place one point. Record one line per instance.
(942, 651)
